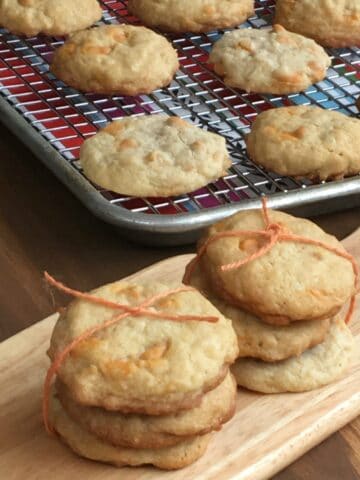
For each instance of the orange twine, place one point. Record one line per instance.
(273, 233)
(142, 309)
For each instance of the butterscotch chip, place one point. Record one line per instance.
(144, 364)
(144, 431)
(291, 282)
(119, 59)
(51, 17)
(332, 23)
(315, 368)
(256, 339)
(304, 141)
(154, 156)
(269, 60)
(191, 15)
(89, 446)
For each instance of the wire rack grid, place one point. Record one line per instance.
(64, 117)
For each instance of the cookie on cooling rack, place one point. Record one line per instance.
(144, 364)
(257, 339)
(291, 282)
(191, 15)
(332, 23)
(306, 141)
(90, 446)
(315, 368)
(269, 60)
(145, 431)
(154, 156)
(51, 17)
(120, 59)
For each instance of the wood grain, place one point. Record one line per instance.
(267, 433)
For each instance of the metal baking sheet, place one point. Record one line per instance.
(53, 120)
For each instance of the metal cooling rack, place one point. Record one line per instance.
(53, 120)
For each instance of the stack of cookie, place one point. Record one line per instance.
(148, 389)
(284, 302)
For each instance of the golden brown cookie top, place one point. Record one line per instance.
(293, 281)
(333, 23)
(154, 156)
(116, 59)
(269, 60)
(191, 15)
(52, 17)
(143, 363)
(306, 141)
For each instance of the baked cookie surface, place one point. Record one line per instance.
(269, 60)
(119, 59)
(89, 446)
(291, 282)
(144, 364)
(51, 17)
(304, 141)
(191, 15)
(315, 368)
(144, 431)
(154, 156)
(332, 23)
(256, 339)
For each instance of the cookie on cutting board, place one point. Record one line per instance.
(315, 368)
(291, 282)
(258, 339)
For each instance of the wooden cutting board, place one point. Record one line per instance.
(267, 433)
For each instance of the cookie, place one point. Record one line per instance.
(270, 343)
(89, 446)
(315, 368)
(154, 156)
(291, 282)
(269, 60)
(144, 431)
(144, 364)
(51, 17)
(333, 23)
(120, 59)
(191, 15)
(304, 141)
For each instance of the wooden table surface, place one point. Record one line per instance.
(43, 226)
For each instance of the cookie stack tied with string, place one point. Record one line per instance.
(142, 374)
(286, 285)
